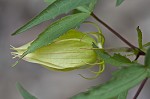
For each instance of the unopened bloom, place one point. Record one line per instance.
(68, 52)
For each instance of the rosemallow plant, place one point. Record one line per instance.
(72, 50)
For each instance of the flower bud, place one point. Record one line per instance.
(68, 52)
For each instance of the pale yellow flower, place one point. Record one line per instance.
(70, 51)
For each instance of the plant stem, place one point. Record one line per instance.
(113, 31)
(140, 52)
(140, 88)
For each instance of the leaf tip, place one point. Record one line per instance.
(138, 28)
(15, 63)
(16, 32)
(18, 85)
(119, 2)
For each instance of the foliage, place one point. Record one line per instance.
(118, 2)
(61, 46)
(25, 93)
(116, 60)
(121, 81)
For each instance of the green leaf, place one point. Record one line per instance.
(147, 44)
(122, 95)
(118, 2)
(139, 37)
(147, 58)
(55, 30)
(116, 60)
(123, 80)
(88, 8)
(53, 10)
(25, 94)
(49, 1)
(92, 5)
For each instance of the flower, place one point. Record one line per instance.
(68, 52)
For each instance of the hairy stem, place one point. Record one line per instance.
(140, 88)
